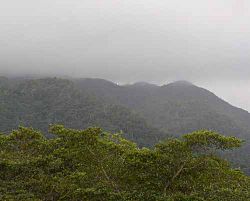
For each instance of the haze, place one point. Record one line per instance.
(206, 42)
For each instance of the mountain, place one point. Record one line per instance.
(41, 102)
(178, 108)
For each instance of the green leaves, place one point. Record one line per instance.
(94, 165)
(211, 139)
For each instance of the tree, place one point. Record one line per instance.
(94, 165)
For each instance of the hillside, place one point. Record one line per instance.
(41, 102)
(178, 107)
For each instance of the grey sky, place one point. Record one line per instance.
(204, 41)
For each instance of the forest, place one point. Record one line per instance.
(124, 100)
(143, 112)
(93, 140)
(95, 165)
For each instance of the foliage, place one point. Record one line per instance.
(93, 165)
(38, 103)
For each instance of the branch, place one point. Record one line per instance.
(114, 185)
(174, 177)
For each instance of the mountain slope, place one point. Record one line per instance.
(41, 102)
(181, 103)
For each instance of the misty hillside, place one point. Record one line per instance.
(179, 107)
(38, 103)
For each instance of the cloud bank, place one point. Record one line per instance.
(206, 42)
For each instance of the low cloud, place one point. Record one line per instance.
(206, 42)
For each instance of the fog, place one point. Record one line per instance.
(206, 42)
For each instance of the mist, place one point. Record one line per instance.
(205, 42)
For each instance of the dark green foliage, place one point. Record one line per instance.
(179, 107)
(92, 165)
(41, 102)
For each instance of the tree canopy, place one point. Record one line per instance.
(95, 165)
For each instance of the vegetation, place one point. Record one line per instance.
(95, 165)
(179, 108)
(145, 113)
(38, 103)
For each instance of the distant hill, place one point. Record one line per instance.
(38, 103)
(179, 107)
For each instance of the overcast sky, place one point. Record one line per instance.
(204, 41)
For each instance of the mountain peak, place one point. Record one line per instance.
(182, 83)
(143, 84)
